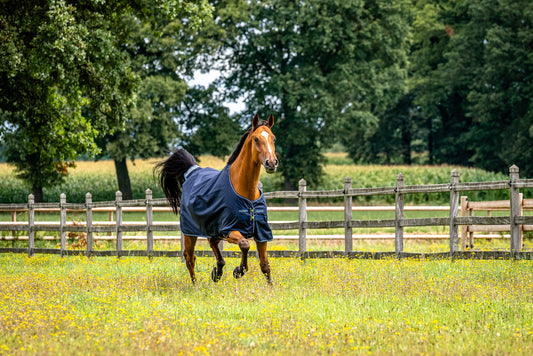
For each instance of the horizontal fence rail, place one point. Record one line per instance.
(515, 223)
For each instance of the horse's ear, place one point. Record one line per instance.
(270, 120)
(255, 122)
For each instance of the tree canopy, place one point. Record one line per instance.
(470, 85)
(316, 64)
(64, 78)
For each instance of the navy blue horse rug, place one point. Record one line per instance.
(210, 207)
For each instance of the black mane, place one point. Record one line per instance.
(238, 149)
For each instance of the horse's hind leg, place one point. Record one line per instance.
(263, 260)
(216, 274)
(188, 253)
(237, 238)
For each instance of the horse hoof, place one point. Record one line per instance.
(215, 276)
(238, 272)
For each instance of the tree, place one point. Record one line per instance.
(64, 79)
(167, 112)
(473, 81)
(150, 124)
(317, 64)
(500, 99)
(395, 137)
(438, 96)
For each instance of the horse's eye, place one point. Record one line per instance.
(256, 139)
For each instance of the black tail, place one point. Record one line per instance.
(170, 174)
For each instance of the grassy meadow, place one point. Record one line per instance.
(78, 306)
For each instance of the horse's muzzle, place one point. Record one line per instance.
(271, 167)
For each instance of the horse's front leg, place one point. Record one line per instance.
(237, 238)
(263, 260)
(216, 274)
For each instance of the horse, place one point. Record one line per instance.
(223, 205)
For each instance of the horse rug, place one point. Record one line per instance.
(210, 207)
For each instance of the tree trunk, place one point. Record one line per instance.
(430, 142)
(123, 177)
(287, 185)
(37, 193)
(406, 141)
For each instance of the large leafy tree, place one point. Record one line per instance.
(499, 36)
(472, 70)
(317, 64)
(167, 111)
(400, 132)
(439, 96)
(64, 79)
(152, 49)
(430, 117)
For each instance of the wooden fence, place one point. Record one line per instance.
(469, 207)
(514, 221)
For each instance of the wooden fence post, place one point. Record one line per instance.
(149, 221)
(14, 233)
(398, 212)
(515, 208)
(118, 208)
(63, 223)
(464, 228)
(521, 213)
(454, 212)
(302, 218)
(348, 231)
(89, 223)
(31, 224)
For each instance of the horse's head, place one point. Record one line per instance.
(263, 141)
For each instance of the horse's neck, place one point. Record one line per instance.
(244, 174)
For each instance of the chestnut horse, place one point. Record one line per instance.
(223, 205)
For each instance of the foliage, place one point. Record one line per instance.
(64, 79)
(210, 127)
(394, 140)
(499, 99)
(313, 64)
(150, 127)
(469, 100)
(330, 71)
(132, 305)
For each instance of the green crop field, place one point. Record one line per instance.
(99, 179)
(78, 306)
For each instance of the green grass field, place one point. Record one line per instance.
(78, 306)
